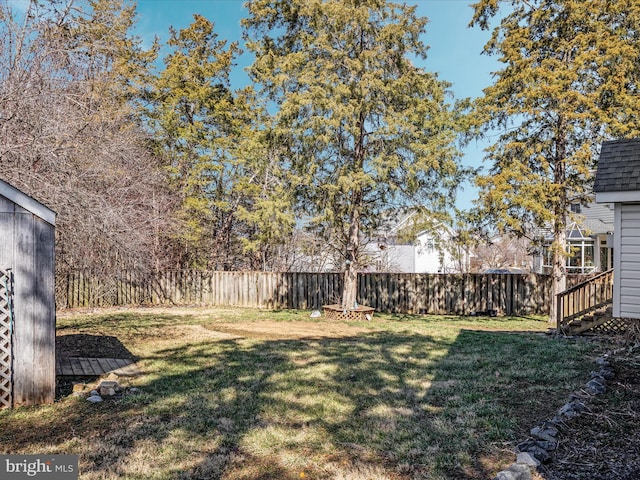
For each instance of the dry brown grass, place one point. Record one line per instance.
(251, 395)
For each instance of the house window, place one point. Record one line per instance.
(431, 244)
(580, 258)
(580, 252)
(576, 208)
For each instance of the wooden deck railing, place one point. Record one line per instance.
(584, 298)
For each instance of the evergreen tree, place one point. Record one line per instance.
(195, 129)
(265, 199)
(361, 128)
(569, 81)
(105, 55)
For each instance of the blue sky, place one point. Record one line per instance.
(454, 53)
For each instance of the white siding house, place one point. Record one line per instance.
(429, 252)
(432, 254)
(618, 183)
(627, 266)
(589, 236)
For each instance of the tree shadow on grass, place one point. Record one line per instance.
(377, 405)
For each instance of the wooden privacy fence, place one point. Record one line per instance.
(459, 294)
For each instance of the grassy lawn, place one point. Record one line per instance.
(247, 394)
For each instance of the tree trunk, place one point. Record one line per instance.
(558, 271)
(350, 280)
(559, 259)
(350, 287)
(350, 284)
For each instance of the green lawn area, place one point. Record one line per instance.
(248, 394)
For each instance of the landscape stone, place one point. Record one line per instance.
(108, 388)
(539, 453)
(134, 390)
(525, 458)
(547, 445)
(505, 475)
(108, 384)
(602, 361)
(557, 420)
(524, 446)
(549, 434)
(607, 373)
(567, 411)
(515, 472)
(548, 424)
(572, 409)
(94, 399)
(594, 387)
(93, 393)
(579, 406)
(79, 389)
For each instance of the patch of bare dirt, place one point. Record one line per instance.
(604, 443)
(93, 346)
(190, 310)
(269, 329)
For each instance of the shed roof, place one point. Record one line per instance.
(28, 203)
(618, 166)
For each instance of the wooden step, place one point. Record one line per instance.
(584, 326)
(587, 322)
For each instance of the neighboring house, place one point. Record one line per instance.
(589, 238)
(618, 183)
(391, 250)
(429, 251)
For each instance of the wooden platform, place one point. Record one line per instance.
(94, 367)
(336, 312)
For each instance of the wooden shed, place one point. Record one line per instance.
(27, 300)
(618, 183)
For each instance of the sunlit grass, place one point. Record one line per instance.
(398, 397)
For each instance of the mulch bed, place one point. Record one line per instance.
(604, 443)
(91, 346)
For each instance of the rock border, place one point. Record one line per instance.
(538, 449)
(107, 387)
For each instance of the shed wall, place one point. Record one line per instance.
(628, 271)
(27, 247)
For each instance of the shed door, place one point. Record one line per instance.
(6, 340)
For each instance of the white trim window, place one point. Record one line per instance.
(580, 251)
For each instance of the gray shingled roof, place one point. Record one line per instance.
(618, 166)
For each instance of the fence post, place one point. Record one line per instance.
(559, 311)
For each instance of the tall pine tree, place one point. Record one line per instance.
(193, 122)
(362, 129)
(569, 81)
